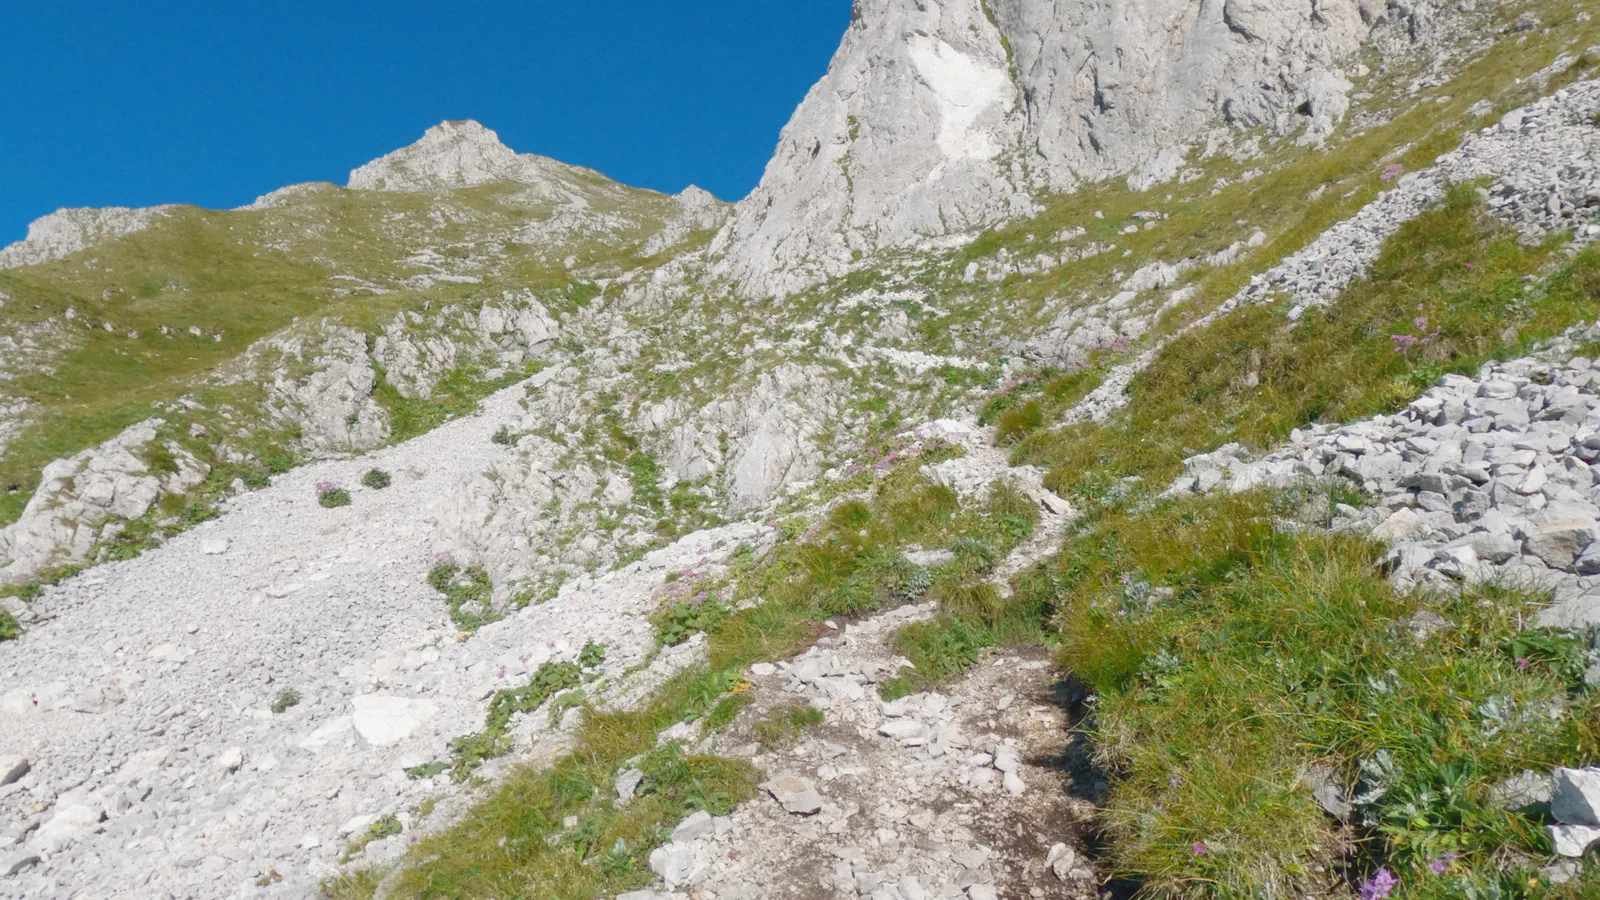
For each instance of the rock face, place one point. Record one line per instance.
(66, 231)
(121, 478)
(461, 154)
(937, 118)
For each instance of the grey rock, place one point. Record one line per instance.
(627, 784)
(1576, 797)
(697, 826)
(15, 861)
(1527, 792)
(795, 794)
(982, 892)
(12, 768)
(1573, 841)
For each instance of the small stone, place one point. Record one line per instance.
(1014, 784)
(693, 828)
(1575, 799)
(674, 864)
(1061, 860)
(1006, 759)
(12, 768)
(795, 794)
(1526, 792)
(214, 547)
(912, 889)
(229, 760)
(762, 670)
(972, 857)
(1573, 840)
(12, 863)
(628, 783)
(66, 826)
(982, 892)
(902, 729)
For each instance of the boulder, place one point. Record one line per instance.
(384, 720)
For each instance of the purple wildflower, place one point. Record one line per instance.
(1390, 173)
(1379, 886)
(1199, 848)
(1439, 865)
(1470, 267)
(1523, 663)
(1174, 781)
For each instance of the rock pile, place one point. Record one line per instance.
(1481, 479)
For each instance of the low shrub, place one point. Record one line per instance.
(331, 496)
(376, 479)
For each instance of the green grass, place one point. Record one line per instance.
(285, 702)
(514, 841)
(470, 751)
(780, 729)
(9, 629)
(386, 826)
(1278, 650)
(1453, 277)
(376, 479)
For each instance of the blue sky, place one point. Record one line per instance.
(133, 104)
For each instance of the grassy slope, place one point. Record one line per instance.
(249, 274)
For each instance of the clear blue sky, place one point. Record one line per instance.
(119, 103)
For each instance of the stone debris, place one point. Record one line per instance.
(1451, 476)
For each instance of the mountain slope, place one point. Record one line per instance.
(1243, 459)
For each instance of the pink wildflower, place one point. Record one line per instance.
(1199, 848)
(1379, 886)
(1392, 172)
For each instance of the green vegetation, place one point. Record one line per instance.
(468, 595)
(516, 839)
(376, 479)
(9, 629)
(1448, 292)
(285, 701)
(333, 497)
(469, 751)
(781, 728)
(1228, 655)
(686, 618)
(386, 826)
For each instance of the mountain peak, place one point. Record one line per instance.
(453, 154)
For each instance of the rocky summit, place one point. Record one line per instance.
(1117, 450)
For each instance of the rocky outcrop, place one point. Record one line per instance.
(462, 154)
(66, 231)
(118, 480)
(323, 386)
(694, 209)
(941, 118)
(416, 351)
